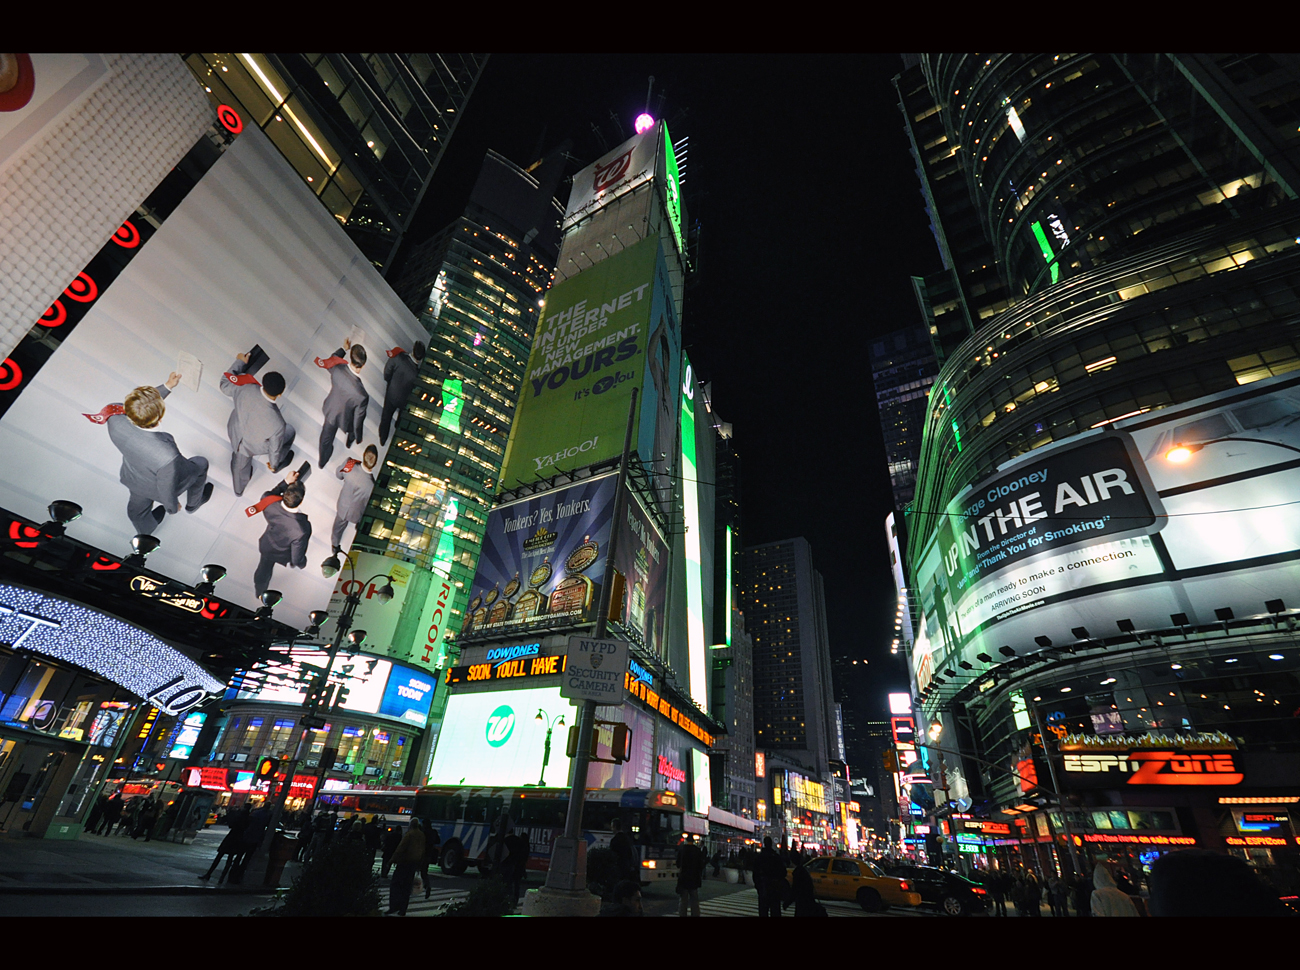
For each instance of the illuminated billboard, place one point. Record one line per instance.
(496, 739)
(604, 331)
(1181, 517)
(375, 686)
(218, 393)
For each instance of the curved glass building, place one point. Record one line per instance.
(1104, 546)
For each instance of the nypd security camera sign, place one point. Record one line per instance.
(594, 669)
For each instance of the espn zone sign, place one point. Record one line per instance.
(1153, 768)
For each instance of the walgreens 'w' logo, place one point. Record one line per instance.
(611, 172)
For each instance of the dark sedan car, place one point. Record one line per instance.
(953, 894)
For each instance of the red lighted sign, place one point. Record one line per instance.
(670, 770)
(1255, 840)
(213, 779)
(1140, 839)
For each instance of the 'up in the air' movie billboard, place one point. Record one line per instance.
(604, 331)
(1159, 521)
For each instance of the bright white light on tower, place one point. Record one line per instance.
(644, 123)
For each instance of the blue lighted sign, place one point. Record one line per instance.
(408, 695)
(640, 673)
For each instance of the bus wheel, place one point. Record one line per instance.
(453, 859)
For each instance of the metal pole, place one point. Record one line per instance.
(558, 876)
(261, 861)
(1060, 799)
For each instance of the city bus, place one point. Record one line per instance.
(471, 821)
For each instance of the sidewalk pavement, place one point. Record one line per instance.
(112, 863)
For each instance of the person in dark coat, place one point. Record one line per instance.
(802, 894)
(1081, 890)
(345, 405)
(406, 860)
(145, 820)
(625, 852)
(231, 846)
(392, 839)
(96, 813)
(373, 835)
(112, 813)
(1198, 882)
(432, 853)
(769, 877)
(399, 378)
(516, 863)
(690, 875)
(284, 541)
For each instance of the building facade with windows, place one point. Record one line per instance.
(1141, 214)
(365, 131)
(785, 613)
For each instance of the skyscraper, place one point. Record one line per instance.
(903, 368)
(365, 131)
(476, 287)
(1141, 214)
(785, 613)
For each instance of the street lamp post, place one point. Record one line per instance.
(260, 864)
(551, 724)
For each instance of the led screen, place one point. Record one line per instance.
(146, 401)
(496, 739)
(701, 785)
(1174, 518)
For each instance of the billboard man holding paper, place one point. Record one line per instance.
(153, 468)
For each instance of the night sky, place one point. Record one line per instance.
(811, 223)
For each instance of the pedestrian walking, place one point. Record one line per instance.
(1081, 889)
(625, 852)
(322, 832)
(373, 836)
(803, 894)
(408, 857)
(305, 831)
(998, 890)
(769, 878)
(516, 861)
(96, 813)
(145, 819)
(112, 813)
(690, 875)
(1033, 895)
(433, 850)
(392, 839)
(231, 846)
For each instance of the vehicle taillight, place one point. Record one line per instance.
(648, 863)
(976, 889)
(904, 886)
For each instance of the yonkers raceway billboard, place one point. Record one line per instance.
(604, 331)
(204, 379)
(543, 562)
(1187, 511)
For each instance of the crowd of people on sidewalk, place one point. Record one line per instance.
(145, 817)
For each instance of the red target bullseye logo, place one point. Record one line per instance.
(24, 536)
(55, 316)
(127, 236)
(230, 119)
(103, 563)
(82, 289)
(11, 375)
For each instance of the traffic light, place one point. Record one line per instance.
(620, 747)
(267, 769)
(890, 760)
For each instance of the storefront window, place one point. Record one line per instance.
(251, 730)
(353, 740)
(281, 735)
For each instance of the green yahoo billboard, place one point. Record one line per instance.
(588, 354)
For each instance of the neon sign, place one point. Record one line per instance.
(1159, 767)
(670, 770)
(1140, 839)
(1254, 840)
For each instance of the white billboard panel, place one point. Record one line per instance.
(1161, 520)
(250, 261)
(496, 739)
(613, 174)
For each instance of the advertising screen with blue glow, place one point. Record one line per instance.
(408, 694)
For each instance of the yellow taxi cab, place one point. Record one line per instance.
(862, 882)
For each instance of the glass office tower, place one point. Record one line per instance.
(365, 131)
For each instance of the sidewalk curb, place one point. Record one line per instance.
(131, 891)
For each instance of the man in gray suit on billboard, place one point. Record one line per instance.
(153, 467)
(345, 405)
(358, 482)
(399, 376)
(256, 426)
(284, 541)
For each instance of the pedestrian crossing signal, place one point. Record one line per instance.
(267, 769)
